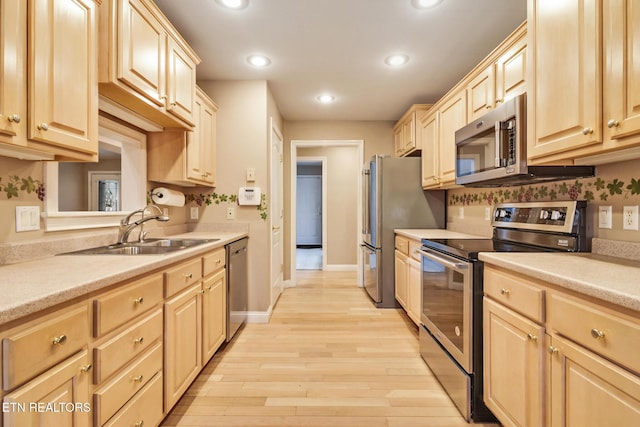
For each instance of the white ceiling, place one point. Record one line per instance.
(339, 46)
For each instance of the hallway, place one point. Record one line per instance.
(327, 358)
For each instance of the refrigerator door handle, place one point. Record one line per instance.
(366, 224)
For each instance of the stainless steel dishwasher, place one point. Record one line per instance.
(237, 286)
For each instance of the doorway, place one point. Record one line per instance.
(310, 203)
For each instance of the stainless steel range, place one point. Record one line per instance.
(451, 332)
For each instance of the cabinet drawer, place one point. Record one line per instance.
(145, 409)
(117, 308)
(213, 261)
(402, 244)
(181, 276)
(599, 329)
(115, 353)
(44, 343)
(110, 398)
(515, 292)
(413, 250)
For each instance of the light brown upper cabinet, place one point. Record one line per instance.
(586, 71)
(405, 131)
(49, 103)
(186, 158)
(145, 65)
(502, 79)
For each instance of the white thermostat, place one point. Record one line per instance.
(249, 196)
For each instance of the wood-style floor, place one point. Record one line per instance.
(327, 358)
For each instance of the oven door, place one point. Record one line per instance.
(447, 293)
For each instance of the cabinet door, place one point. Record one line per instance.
(13, 54)
(567, 73)
(214, 314)
(142, 51)
(48, 398)
(621, 90)
(398, 144)
(62, 80)
(183, 343)
(513, 375)
(414, 290)
(453, 115)
(181, 82)
(588, 391)
(428, 135)
(201, 142)
(409, 134)
(400, 274)
(511, 71)
(481, 93)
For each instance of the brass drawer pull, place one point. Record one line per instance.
(532, 337)
(504, 291)
(587, 131)
(613, 123)
(552, 350)
(43, 126)
(138, 379)
(86, 368)
(210, 288)
(14, 118)
(138, 300)
(59, 340)
(138, 340)
(597, 334)
(139, 423)
(188, 275)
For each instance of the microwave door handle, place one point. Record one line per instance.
(498, 159)
(439, 259)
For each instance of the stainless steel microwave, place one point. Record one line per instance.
(493, 146)
(492, 151)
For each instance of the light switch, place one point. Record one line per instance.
(251, 174)
(604, 217)
(27, 218)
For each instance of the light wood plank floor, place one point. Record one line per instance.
(327, 358)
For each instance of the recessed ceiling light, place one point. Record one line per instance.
(234, 4)
(396, 60)
(326, 98)
(425, 4)
(258, 61)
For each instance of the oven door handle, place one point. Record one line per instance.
(437, 258)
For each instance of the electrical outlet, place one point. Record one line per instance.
(231, 213)
(604, 217)
(194, 212)
(460, 212)
(630, 217)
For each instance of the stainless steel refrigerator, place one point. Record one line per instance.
(393, 198)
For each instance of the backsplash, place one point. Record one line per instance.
(615, 185)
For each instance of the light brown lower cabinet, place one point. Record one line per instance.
(151, 337)
(58, 397)
(557, 358)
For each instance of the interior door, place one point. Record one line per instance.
(309, 210)
(276, 215)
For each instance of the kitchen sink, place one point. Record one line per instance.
(146, 247)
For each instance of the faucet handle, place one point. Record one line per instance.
(143, 235)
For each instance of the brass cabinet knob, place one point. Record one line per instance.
(14, 118)
(138, 340)
(587, 131)
(505, 291)
(86, 368)
(532, 337)
(43, 126)
(59, 340)
(499, 101)
(552, 350)
(137, 379)
(597, 334)
(139, 423)
(613, 123)
(188, 275)
(138, 300)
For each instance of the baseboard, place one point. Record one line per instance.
(341, 267)
(259, 316)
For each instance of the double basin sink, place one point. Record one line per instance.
(146, 247)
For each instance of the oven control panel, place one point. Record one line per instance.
(562, 216)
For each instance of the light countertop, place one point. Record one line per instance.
(435, 233)
(32, 286)
(611, 279)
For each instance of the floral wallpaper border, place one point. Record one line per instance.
(15, 184)
(590, 189)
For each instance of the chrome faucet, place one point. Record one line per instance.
(126, 228)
